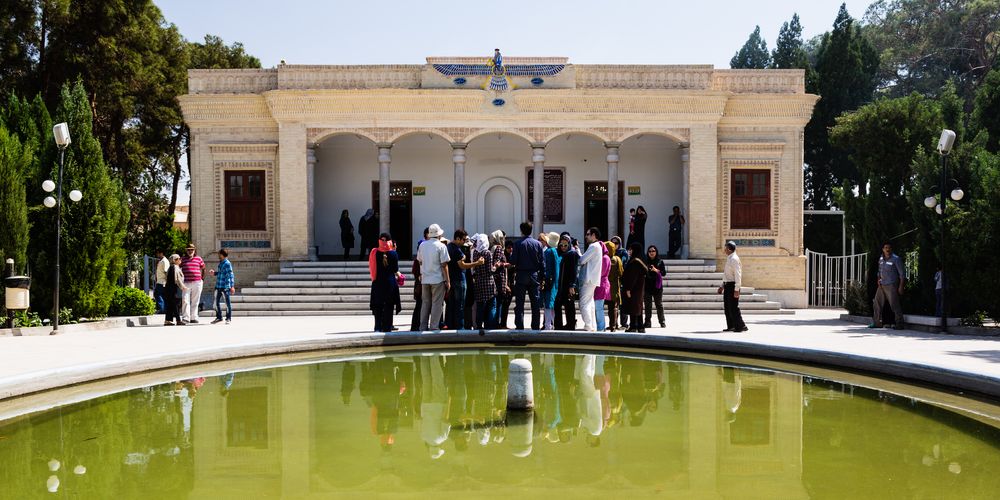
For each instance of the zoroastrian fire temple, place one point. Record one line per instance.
(277, 154)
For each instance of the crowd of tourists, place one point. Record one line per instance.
(470, 282)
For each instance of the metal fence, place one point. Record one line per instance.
(827, 277)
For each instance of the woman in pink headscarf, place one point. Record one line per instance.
(383, 264)
(603, 291)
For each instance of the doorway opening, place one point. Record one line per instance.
(595, 207)
(400, 215)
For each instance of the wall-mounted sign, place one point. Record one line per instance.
(634, 190)
(419, 190)
(553, 195)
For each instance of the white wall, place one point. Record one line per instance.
(346, 166)
(653, 163)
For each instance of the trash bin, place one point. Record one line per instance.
(17, 292)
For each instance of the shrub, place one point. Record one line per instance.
(856, 299)
(66, 316)
(977, 318)
(26, 319)
(131, 302)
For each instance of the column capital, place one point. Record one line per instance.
(459, 145)
(538, 145)
(612, 145)
(458, 155)
(311, 155)
(384, 154)
(383, 145)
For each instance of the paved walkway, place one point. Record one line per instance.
(31, 364)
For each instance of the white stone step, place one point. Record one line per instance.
(359, 290)
(693, 283)
(701, 290)
(301, 299)
(718, 305)
(362, 264)
(403, 323)
(712, 298)
(695, 276)
(326, 276)
(690, 269)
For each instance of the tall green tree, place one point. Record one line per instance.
(882, 140)
(15, 159)
(986, 115)
(788, 49)
(926, 43)
(846, 67)
(93, 228)
(17, 44)
(753, 54)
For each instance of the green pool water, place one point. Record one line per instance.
(434, 425)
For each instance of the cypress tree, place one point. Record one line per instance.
(15, 158)
(753, 54)
(93, 228)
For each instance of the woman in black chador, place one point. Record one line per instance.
(346, 233)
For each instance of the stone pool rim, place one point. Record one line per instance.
(967, 384)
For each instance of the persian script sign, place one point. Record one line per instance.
(554, 195)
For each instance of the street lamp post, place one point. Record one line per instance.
(945, 144)
(61, 133)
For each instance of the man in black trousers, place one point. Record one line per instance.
(732, 278)
(528, 266)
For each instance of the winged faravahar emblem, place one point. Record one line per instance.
(498, 74)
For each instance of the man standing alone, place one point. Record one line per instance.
(732, 280)
(590, 278)
(193, 268)
(891, 278)
(434, 282)
(527, 263)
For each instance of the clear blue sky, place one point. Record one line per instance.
(586, 31)
(405, 32)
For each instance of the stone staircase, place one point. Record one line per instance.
(342, 288)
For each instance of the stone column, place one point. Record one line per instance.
(703, 193)
(311, 201)
(458, 159)
(686, 197)
(384, 159)
(538, 161)
(613, 216)
(293, 210)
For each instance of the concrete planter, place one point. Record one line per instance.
(930, 324)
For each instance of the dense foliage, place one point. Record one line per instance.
(131, 302)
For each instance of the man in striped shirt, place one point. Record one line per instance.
(193, 268)
(225, 285)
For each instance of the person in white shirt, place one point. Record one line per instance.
(434, 282)
(732, 279)
(590, 278)
(162, 265)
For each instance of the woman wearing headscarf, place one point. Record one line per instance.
(603, 291)
(552, 261)
(174, 291)
(383, 265)
(567, 293)
(640, 226)
(654, 286)
(622, 253)
(497, 240)
(633, 288)
(368, 229)
(615, 284)
(485, 287)
(346, 233)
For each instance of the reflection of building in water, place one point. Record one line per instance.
(758, 431)
(608, 424)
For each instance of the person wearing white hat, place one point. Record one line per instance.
(434, 281)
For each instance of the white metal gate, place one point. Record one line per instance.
(827, 277)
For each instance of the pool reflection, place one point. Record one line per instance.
(436, 423)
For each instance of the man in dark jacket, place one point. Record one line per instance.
(528, 265)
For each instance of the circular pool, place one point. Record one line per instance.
(605, 424)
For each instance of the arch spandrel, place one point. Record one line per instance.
(515, 132)
(680, 136)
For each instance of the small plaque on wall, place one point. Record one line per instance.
(419, 190)
(634, 190)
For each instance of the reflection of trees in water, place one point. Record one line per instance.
(122, 445)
